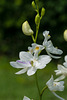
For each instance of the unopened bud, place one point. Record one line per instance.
(26, 28)
(33, 5)
(37, 19)
(42, 12)
(65, 35)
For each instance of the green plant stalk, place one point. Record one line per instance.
(42, 92)
(37, 85)
(37, 29)
(34, 40)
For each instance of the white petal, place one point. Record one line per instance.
(55, 86)
(31, 71)
(50, 83)
(43, 60)
(26, 98)
(21, 71)
(61, 70)
(37, 48)
(22, 63)
(65, 58)
(16, 65)
(50, 48)
(65, 64)
(60, 67)
(58, 72)
(56, 57)
(46, 34)
(30, 50)
(58, 96)
(25, 56)
(58, 86)
(61, 86)
(60, 78)
(33, 44)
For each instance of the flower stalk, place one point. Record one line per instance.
(43, 91)
(31, 61)
(36, 79)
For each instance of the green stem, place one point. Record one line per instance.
(37, 29)
(37, 84)
(33, 38)
(43, 92)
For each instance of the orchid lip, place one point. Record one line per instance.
(23, 62)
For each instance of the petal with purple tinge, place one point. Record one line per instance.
(21, 71)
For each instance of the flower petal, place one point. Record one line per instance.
(25, 56)
(43, 60)
(50, 83)
(65, 58)
(21, 71)
(16, 65)
(46, 35)
(60, 78)
(31, 71)
(50, 48)
(65, 64)
(30, 50)
(54, 85)
(26, 98)
(59, 86)
(56, 57)
(37, 48)
(60, 69)
(25, 64)
(58, 96)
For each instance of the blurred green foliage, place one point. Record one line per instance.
(14, 12)
(15, 87)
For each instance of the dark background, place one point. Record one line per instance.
(14, 12)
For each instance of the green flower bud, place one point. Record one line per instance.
(37, 19)
(26, 28)
(33, 5)
(42, 12)
(65, 35)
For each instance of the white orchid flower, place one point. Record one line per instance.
(62, 70)
(50, 49)
(26, 98)
(35, 49)
(55, 86)
(30, 63)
